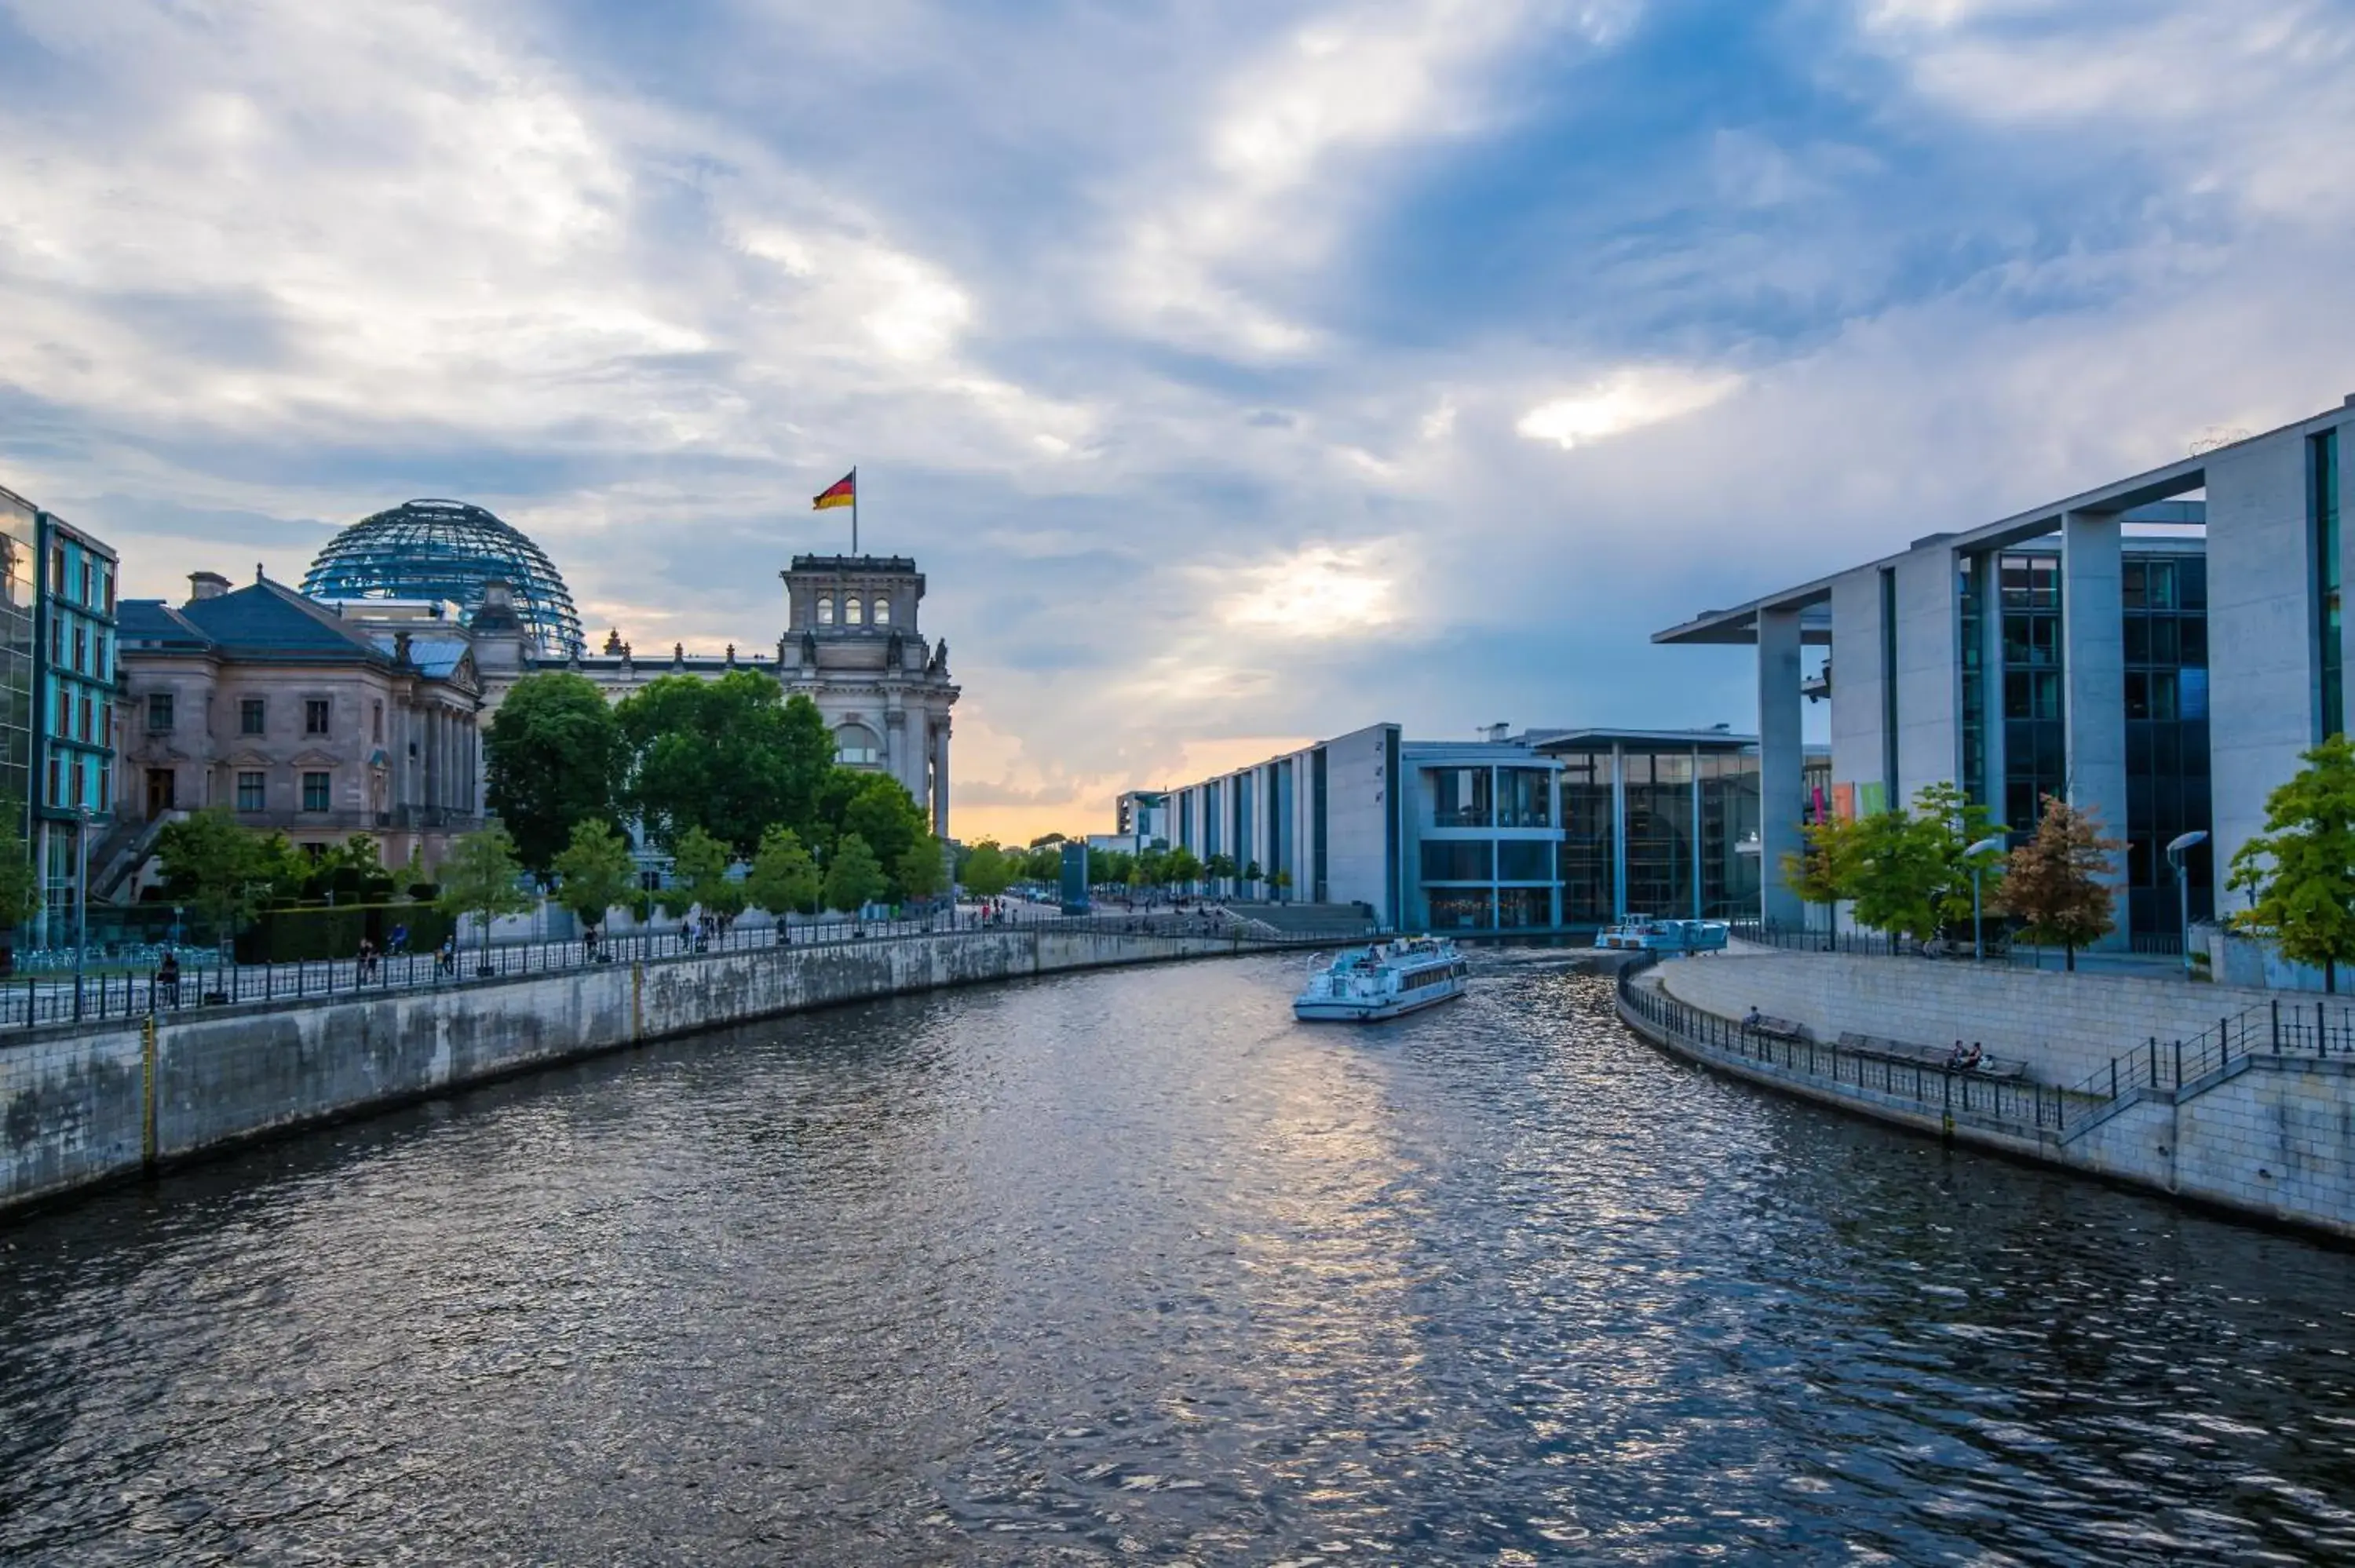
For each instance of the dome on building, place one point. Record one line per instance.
(448, 550)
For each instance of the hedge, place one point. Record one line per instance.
(284, 936)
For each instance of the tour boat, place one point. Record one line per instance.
(1365, 985)
(1642, 934)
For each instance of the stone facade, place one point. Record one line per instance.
(852, 644)
(298, 719)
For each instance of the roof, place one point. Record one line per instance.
(1551, 741)
(267, 621)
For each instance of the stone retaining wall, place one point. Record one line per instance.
(82, 1105)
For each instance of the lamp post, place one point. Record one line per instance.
(1984, 846)
(2177, 848)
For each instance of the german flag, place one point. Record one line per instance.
(843, 492)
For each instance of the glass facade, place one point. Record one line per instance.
(2035, 741)
(73, 713)
(1692, 819)
(2322, 511)
(1660, 843)
(19, 609)
(2168, 784)
(1587, 859)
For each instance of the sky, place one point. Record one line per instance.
(1238, 371)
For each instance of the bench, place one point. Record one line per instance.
(1776, 1028)
(1934, 1056)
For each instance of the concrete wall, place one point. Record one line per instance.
(75, 1107)
(1856, 680)
(2261, 615)
(1357, 802)
(1929, 673)
(2066, 1028)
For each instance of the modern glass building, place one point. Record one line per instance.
(1655, 822)
(1552, 831)
(19, 614)
(73, 711)
(449, 550)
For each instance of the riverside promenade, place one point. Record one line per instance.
(2239, 1100)
(89, 1101)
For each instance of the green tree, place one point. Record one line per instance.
(730, 756)
(2054, 882)
(699, 864)
(2300, 871)
(1281, 883)
(553, 759)
(987, 870)
(1220, 867)
(783, 878)
(921, 869)
(881, 812)
(1822, 870)
(854, 877)
(1044, 863)
(20, 886)
(596, 871)
(217, 868)
(1908, 874)
(482, 876)
(1185, 867)
(1252, 874)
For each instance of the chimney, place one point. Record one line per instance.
(207, 585)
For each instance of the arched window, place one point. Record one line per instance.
(856, 745)
(825, 610)
(850, 611)
(883, 612)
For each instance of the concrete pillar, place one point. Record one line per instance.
(2093, 675)
(1782, 763)
(1619, 830)
(941, 781)
(1695, 855)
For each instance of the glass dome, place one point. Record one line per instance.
(448, 550)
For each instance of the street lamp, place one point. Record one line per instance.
(1988, 845)
(2177, 848)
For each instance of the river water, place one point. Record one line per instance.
(1128, 1268)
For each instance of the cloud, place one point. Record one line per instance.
(1239, 370)
(1623, 401)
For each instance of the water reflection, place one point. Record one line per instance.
(1130, 1267)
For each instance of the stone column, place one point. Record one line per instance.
(2093, 677)
(941, 780)
(1782, 763)
(1619, 830)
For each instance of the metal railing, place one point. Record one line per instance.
(2019, 1105)
(2270, 1028)
(39, 1001)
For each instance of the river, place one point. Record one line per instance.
(1129, 1268)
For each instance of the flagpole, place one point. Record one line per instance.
(854, 511)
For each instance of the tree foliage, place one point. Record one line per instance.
(20, 884)
(1823, 868)
(596, 871)
(987, 870)
(1184, 867)
(1221, 867)
(553, 759)
(2054, 885)
(699, 864)
(220, 869)
(482, 876)
(922, 869)
(854, 877)
(2300, 871)
(783, 877)
(733, 757)
(1907, 871)
(878, 809)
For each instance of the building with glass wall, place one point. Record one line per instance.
(2159, 651)
(1555, 829)
(73, 711)
(19, 613)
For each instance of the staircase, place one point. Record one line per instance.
(124, 850)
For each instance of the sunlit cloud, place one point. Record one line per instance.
(1319, 592)
(1624, 401)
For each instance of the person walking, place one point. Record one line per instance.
(167, 978)
(445, 957)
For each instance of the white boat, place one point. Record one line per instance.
(1641, 933)
(1365, 985)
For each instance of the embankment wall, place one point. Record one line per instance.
(80, 1105)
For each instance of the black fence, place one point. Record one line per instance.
(2274, 1028)
(68, 999)
(2027, 1107)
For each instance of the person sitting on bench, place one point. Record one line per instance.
(1752, 1019)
